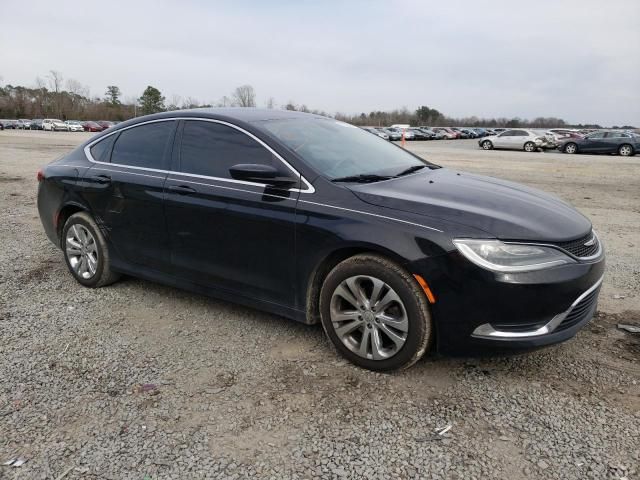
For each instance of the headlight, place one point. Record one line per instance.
(509, 257)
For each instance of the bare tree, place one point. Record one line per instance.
(245, 96)
(55, 84)
(271, 103)
(190, 102)
(224, 102)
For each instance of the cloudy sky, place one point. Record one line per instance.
(578, 60)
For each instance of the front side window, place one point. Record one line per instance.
(596, 135)
(144, 146)
(210, 149)
(336, 149)
(507, 133)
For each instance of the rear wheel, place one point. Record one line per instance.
(487, 145)
(529, 147)
(86, 252)
(570, 148)
(375, 313)
(625, 150)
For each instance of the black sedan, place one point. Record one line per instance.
(316, 220)
(622, 143)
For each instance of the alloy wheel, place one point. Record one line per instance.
(571, 148)
(625, 150)
(529, 147)
(81, 251)
(369, 317)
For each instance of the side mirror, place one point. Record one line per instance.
(261, 174)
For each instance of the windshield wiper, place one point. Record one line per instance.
(409, 170)
(362, 178)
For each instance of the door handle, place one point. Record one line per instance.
(181, 189)
(102, 179)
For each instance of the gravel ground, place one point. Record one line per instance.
(141, 381)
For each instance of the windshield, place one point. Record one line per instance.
(336, 149)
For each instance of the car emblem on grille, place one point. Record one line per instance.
(590, 242)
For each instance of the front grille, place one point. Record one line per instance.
(578, 313)
(577, 248)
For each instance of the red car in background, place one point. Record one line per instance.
(105, 124)
(92, 127)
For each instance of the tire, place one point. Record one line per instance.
(487, 145)
(626, 150)
(571, 148)
(529, 147)
(403, 328)
(82, 241)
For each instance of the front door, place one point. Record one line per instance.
(229, 234)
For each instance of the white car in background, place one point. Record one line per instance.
(74, 126)
(514, 139)
(53, 124)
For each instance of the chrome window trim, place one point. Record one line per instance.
(307, 201)
(309, 188)
(486, 330)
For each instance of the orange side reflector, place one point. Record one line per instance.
(425, 288)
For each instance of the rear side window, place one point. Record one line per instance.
(210, 149)
(520, 133)
(101, 151)
(144, 146)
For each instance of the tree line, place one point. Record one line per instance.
(52, 96)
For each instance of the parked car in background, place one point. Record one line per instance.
(74, 126)
(90, 126)
(54, 125)
(105, 124)
(395, 256)
(430, 133)
(393, 133)
(36, 124)
(6, 124)
(516, 139)
(418, 134)
(471, 133)
(622, 143)
(24, 123)
(447, 132)
(376, 132)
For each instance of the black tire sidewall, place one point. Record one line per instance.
(84, 220)
(529, 143)
(490, 145)
(418, 324)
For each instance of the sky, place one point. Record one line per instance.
(576, 60)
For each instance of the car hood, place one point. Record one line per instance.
(503, 209)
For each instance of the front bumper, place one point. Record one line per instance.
(477, 310)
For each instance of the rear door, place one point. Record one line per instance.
(225, 233)
(124, 188)
(613, 140)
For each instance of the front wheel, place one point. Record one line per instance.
(625, 150)
(529, 147)
(375, 313)
(487, 145)
(86, 252)
(570, 148)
